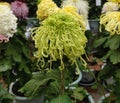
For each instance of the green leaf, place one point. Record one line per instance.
(33, 87)
(5, 65)
(79, 93)
(118, 74)
(23, 66)
(36, 86)
(115, 57)
(113, 42)
(4, 68)
(99, 42)
(106, 70)
(14, 52)
(54, 88)
(62, 99)
(26, 51)
(107, 55)
(4, 94)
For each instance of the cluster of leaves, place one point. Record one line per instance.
(112, 44)
(113, 71)
(5, 97)
(49, 84)
(109, 47)
(16, 56)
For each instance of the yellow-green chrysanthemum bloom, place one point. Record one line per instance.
(46, 8)
(60, 35)
(110, 6)
(111, 22)
(114, 0)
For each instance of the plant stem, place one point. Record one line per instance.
(62, 82)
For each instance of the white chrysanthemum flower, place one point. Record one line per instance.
(81, 5)
(8, 21)
(110, 6)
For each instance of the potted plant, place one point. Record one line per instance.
(16, 59)
(109, 41)
(59, 42)
(48, 84)
(90, 73)
(8, 27)
(94, 64)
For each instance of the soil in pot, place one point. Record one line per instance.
(15, 89)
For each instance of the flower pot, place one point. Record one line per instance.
(108, 83)
(94, 25)
(89, 98)
(87, 77)
(23, 99)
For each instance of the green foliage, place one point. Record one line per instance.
(5, 97)
(48, 83)
(5, 65)
(99, 42)
(16, 56)
(38, 85)
(79, 93)
(114, 56)
(106, 70)
(112, 44)
(62, 98)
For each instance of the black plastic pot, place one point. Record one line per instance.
(88, 77)
(108, 83)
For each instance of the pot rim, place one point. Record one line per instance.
(15, 96)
